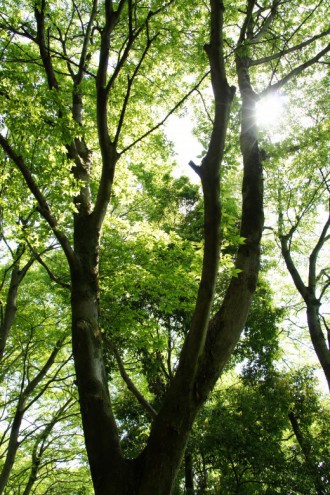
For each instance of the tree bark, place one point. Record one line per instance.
(101, 437)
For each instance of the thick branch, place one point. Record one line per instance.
(108, 150)
(39, 13)
(247, 21)
(226, 326)
(111, 19)
(171, 427)
(209, 172)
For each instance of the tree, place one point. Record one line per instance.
(40, 426)
(81, 86)
(298, 210)
(299, 173)
(247, 439)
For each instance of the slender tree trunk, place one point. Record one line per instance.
(36, 461)
(318, 339)
(41, 445)
(22, 406)
(16, 278)
(12, 446)
(306, 449)
(10, 310)
(188, 474)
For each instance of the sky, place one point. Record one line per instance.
(186, 146)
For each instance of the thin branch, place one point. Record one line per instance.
(298, 47)
(83, 56)
(52, 276)
(131, 39)
(324, 289)
(129, 87)
(205, 107)
(267, 21)
(162, 122)
(130, 385)
(295, 72)
(122, 60)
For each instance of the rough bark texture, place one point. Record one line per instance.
(319, 341)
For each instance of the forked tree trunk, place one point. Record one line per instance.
(308, 293)
(209, 343)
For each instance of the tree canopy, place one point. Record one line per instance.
(166, 284)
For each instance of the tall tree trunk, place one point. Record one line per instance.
(209, 343)
(101, 437)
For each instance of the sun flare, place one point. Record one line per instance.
(270, 111)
